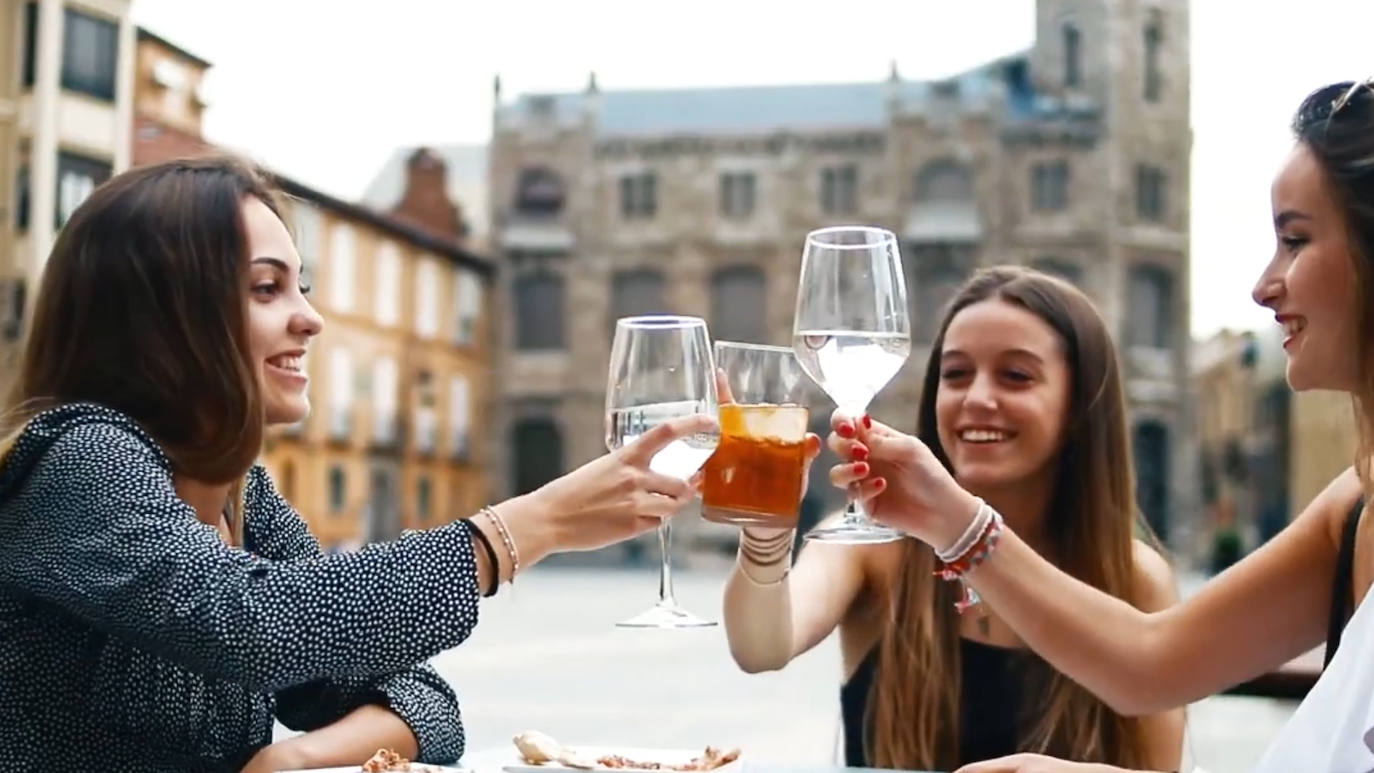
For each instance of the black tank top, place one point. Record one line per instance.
(1342, 594)
(989, 708)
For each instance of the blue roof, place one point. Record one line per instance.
(764, 108)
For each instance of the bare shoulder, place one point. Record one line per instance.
(1156, 585)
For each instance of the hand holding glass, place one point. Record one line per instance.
(661, 369)
(851, 334)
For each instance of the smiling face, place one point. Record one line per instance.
(1003, 395)
(1308, 281)
(281, 321)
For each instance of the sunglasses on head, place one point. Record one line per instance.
(1345, 99)
(1327, 109)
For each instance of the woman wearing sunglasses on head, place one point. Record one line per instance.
(1276, 603)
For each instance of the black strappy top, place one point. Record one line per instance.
(990, 707)
(1342, 594)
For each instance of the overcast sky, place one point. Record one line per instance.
(323, 90)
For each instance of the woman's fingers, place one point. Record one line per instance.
(667, 485)
(846, 448)
(845, 475)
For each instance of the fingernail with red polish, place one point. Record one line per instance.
(845, 430)
(860, 453)
(868, 421)
(880, 483)
(861, 468)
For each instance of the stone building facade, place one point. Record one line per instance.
(1072, 156)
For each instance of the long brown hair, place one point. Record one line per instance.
(914, 706)
(1336, 123)
(142, 308)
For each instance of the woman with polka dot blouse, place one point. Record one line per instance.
(160, 603)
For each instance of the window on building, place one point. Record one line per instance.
(1070, 272)
(1150, 307)
(460, 416)
(539, 192)
(386, 287)
(1073, 56)
(385, 389)
(938, 270)
(337, 490)
(638, 195)
(636, 292)
(30, 43)
(424, 495)
(737, 194)
(77, 177)
(306, 218)
(467, 292)
(21, 198)
(341, 393)
(1150, 447)
(539, 312)
(536, 453)
(1050, 186)
(427, 298)
(90, 52)
(1150, 201)
(839, 189)
(1153, 78)
(739, 304)
(343, 279)
(944, 180)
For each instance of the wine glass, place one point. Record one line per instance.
(851, 335)
(662, 369)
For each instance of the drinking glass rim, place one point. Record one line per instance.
(660, 321)
(758, 347)
(886, 237)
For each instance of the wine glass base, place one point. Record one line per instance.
(855, 534)
(665, 615)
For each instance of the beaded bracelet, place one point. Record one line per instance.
(977, 553)
(501, 529)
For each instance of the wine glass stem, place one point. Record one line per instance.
(665, 572)
(853, 511)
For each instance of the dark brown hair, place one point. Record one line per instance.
(142, 308)
(1336, 124)
(1091, 520)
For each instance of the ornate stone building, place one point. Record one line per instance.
(1072, 156)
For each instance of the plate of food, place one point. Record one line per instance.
(539, 753)
(385, 761)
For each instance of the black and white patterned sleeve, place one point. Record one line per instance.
(418, 695)
(103, 535)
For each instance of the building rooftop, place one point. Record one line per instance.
(748, 109)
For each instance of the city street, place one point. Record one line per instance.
(546, 656)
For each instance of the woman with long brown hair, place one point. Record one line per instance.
(1276, 603)
(160, 603)
(1022, 402)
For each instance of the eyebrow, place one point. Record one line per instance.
(1287, 216)
(274, 262)
(1017, 352)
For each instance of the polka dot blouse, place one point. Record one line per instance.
(132, 638)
